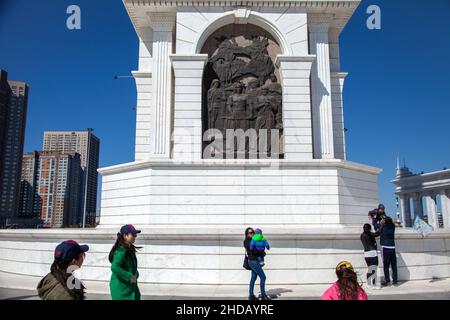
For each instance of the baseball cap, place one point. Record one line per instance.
(344, 265)
(129, 228)
(68, 250)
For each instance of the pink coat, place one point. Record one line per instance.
(332, 293)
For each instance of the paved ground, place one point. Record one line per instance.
(19, 287)
(384, 294)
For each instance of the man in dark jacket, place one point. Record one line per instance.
(387, 242)
(370, 254)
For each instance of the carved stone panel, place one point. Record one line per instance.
(241, 87)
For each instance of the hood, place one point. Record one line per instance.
(47, 285)
(258, 237)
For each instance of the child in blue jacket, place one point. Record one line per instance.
(259, 244)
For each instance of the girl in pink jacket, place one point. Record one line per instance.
(347, 287)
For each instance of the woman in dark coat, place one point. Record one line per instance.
(256, 268)
(370, 253)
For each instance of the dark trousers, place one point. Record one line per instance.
(390, 261)
(371, 262)
(257, 271)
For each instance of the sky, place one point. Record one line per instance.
(396, 96)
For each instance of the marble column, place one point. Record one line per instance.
(321, 86)
(405, 210)
(417, 203)
(430, 200)
(144, 81)
(445, 204)
(187, 132)
(337, 87)
(295, 74)
(163, 25)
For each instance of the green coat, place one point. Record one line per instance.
(124, 265)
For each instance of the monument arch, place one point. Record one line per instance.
(241, 16)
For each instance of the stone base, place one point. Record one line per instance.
(172, 257)
(238, 193)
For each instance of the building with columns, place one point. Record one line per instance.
(425, 195)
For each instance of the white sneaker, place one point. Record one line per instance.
(378, 287)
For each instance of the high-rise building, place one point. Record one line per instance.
(5, 93)
(88, 146)
(29, 203)
(13, 121)
(59, 188)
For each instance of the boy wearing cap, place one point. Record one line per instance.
(60, 283)
(377, 215)
(123, 284)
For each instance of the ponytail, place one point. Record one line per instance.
(116, 246)
(130, 248)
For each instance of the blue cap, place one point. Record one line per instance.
(129, 228)
(69, 250)
(381, 206)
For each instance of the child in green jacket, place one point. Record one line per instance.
(123, 284)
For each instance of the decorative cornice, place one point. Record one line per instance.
(319, 23)
(238, 163)
(340, 4)
(285, 58)
(340, 75)
(141, 74)
(162, 21)
(189, 57)
(137, 9)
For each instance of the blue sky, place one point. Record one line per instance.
(396, 97)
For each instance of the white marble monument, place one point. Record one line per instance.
(171, 185)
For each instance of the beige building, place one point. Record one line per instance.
(59, 188)
(87, 145)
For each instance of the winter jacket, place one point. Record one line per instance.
(124, 265)
(259, 243)
(251, 254)
(49, 288)
(332, 293)
(368, 240)
(387, 238)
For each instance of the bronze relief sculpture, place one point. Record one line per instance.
(243, 91)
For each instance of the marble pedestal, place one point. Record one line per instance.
(238, 193)
(202, 256)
